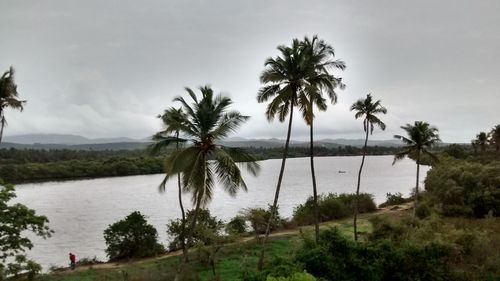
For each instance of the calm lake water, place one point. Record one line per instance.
(80, 210)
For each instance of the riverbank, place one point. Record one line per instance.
(233, 258)
(28, 166)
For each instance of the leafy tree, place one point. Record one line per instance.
(421, 137)
(173, 119)
(8, 97)
(206, 223)
(367, 109)
(15, 221)
(482, 141)
(207, 121)
(320, 62)
(132, 237)
(495, 137)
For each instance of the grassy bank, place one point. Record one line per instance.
(233, 260)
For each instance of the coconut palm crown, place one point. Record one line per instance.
(9, 98)
(207, 121)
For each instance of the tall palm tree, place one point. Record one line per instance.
(367, 109)
(482, 141)
(283, 79)
(495, 137)
(172, 119)
(8, 97)
(421, 137)
(320, 62)
(207, 121)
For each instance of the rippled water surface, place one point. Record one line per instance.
(79, 211)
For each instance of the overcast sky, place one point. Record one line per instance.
(107, 68)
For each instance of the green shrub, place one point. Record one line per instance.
(299, 276)
(332, 206)
(337, 258)
(236, 225)
(132, 237)
(394, 199)
(463, 188)
(206, 224)
(259, 217)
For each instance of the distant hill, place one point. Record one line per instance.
(76, 142)
(63, 139)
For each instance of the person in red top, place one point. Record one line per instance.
(72, 259)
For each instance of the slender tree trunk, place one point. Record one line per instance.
(416, 186)
(183, 222)
(278, 187)
(313, 176)
(189, 237)
(356, 207)
(2, 124)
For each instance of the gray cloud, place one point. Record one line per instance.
(107, 68)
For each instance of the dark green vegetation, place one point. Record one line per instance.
(15, 221)
(132, 237)
(19, 165)
(332, 207)
(458, 187)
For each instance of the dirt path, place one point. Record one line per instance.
(116, 265)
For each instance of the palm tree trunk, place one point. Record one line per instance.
(416, 186)
(183, 222)
(278, 187)
(313, 176)
(356, 207)
(185, 257)
(2, 124)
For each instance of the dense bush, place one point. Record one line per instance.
(299, 276)
(337, 258)
(332, 206)
(205, 225)
(236, 225)
(394, 199)
(132, 237)
(464, 188)
(259, 217)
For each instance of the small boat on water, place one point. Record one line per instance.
(342, 172)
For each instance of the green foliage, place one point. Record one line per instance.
(299, 276)
(464, 188)
(15, 221)
(259, 217)
(336, 258)
(236, 225)
(132, 237)
(332, 206)
(456, 151)
(394, 199)
(206, 226)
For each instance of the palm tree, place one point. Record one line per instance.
(8, 97)
(284, 78)
(172, 119)
(421, 137)
(320, 61)
(482, 141)
(206, 121)
(368, 109)
(495, 137)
